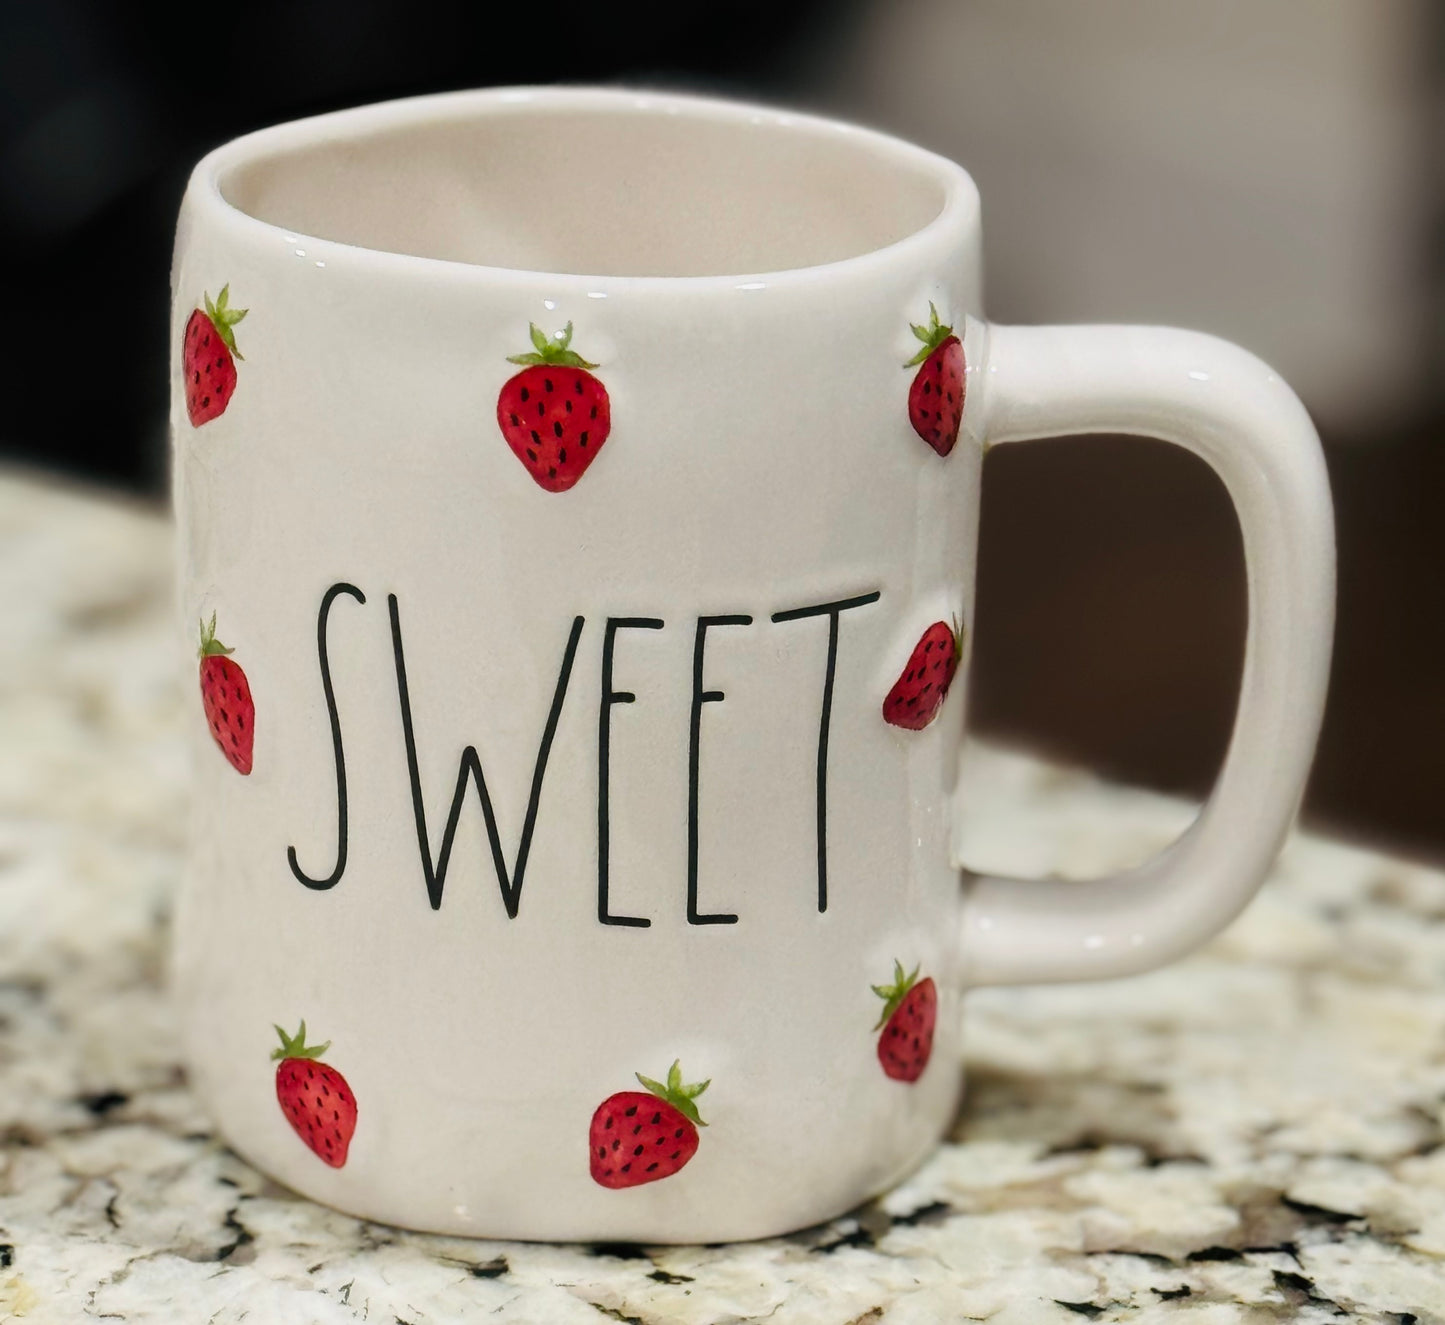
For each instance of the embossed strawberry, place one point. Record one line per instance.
(226, 697)
(910, 1010)
(314, 1097)
(208, 355)
(637, 1138)
(554, 414)
(919, 692)
(935, 400)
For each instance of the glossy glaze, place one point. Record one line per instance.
(635, 665)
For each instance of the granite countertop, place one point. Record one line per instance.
(1257, 1134)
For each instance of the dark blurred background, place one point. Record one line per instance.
(1270, 170)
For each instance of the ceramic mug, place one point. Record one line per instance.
(581, 564)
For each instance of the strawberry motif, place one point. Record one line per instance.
(554, 414)
(208, 356)
(226, 696)
(637, 1138)
(314, 1097)
(935, 400)
(910, 1009)
(919, 692)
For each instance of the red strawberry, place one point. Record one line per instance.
(554, 414)
(226, 696)
(935, 400)
(637, 1137)
(919, 692)
(314, 1097)
(208, 356)
(909, 1013)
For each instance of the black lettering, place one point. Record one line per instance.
(471, 767)
(699, 698)
(604, 737)
(332, 879)
(832, 612)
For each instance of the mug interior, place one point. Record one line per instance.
(610, 185)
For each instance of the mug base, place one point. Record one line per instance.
(785, 1214)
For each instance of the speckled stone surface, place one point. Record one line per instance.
(1257, 1134)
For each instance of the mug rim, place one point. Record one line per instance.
(957, 214)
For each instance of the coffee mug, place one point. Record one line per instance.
(578, 496)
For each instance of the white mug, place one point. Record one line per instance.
(578, 495)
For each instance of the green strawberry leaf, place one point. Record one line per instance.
(210, 645)
(224, 317)
(688, 1110)
(932, 336)
(677, 1094)
(894, 994)
(295, 1046)
(551, 351)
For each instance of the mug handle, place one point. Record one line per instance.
(1229, 408)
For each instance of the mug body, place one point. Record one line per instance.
(574, 574)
